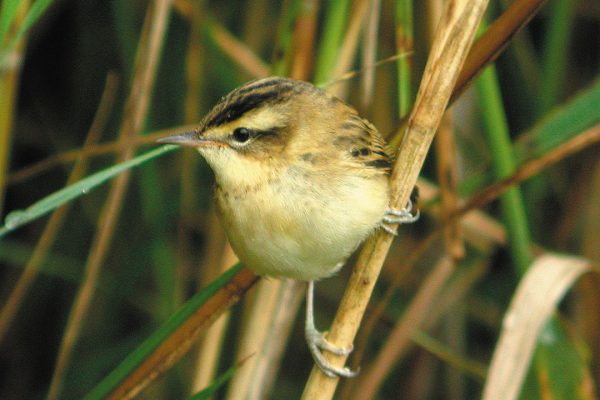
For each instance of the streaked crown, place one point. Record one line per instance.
(281, 118)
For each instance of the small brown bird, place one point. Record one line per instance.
(301, 181)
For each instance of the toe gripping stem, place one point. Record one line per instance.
(317, 342)
(393, 216)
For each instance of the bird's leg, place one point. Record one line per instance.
(317, 342)
(393, 216)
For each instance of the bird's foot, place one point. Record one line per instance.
(393, 216)
(316, 343)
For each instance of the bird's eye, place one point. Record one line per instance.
(241, 135)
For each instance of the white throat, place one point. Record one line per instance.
(233, 170)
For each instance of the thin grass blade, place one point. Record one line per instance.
(7, 16)
(34, 13)
(561, 124)
(19, 218)
(175, 337)
(218, 382)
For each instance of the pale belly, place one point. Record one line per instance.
(288, 231)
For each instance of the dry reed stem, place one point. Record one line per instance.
(582, 205)
(482, 231)
(207, 357)
(194, 66)
(283, 321)
(448, 304)
(32, 268)
(304, 40)
(531, 168)
(496, 38)
(399, 339)
(578, 143)
(590, 240)
(571, 216)
(376, 312)
(254, 339)
(135, 111)
(487, 48)
(239, 52)
(454, 248)
(517, 15)
(188, 179)
(453, 39)
(218, 256)
(583, 140)
(369, 54)
(194, 62)
(10, 70)
(456, 291)
(349, 46)
(180, 341)
(265, 336)
(209, 353)
(479, 229)
(460, 363)
(255, 13)
(277, 302)
(99, 149)
(535, 300)
(586, 313)
(447, 174)
(476, 225)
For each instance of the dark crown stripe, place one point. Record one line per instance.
(239, 105)
(260, 84)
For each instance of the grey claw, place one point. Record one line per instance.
(328, 369)
(320, 342)
(388, 229)
(317, 342)
(393, 216)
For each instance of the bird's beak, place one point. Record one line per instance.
(188, 139)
